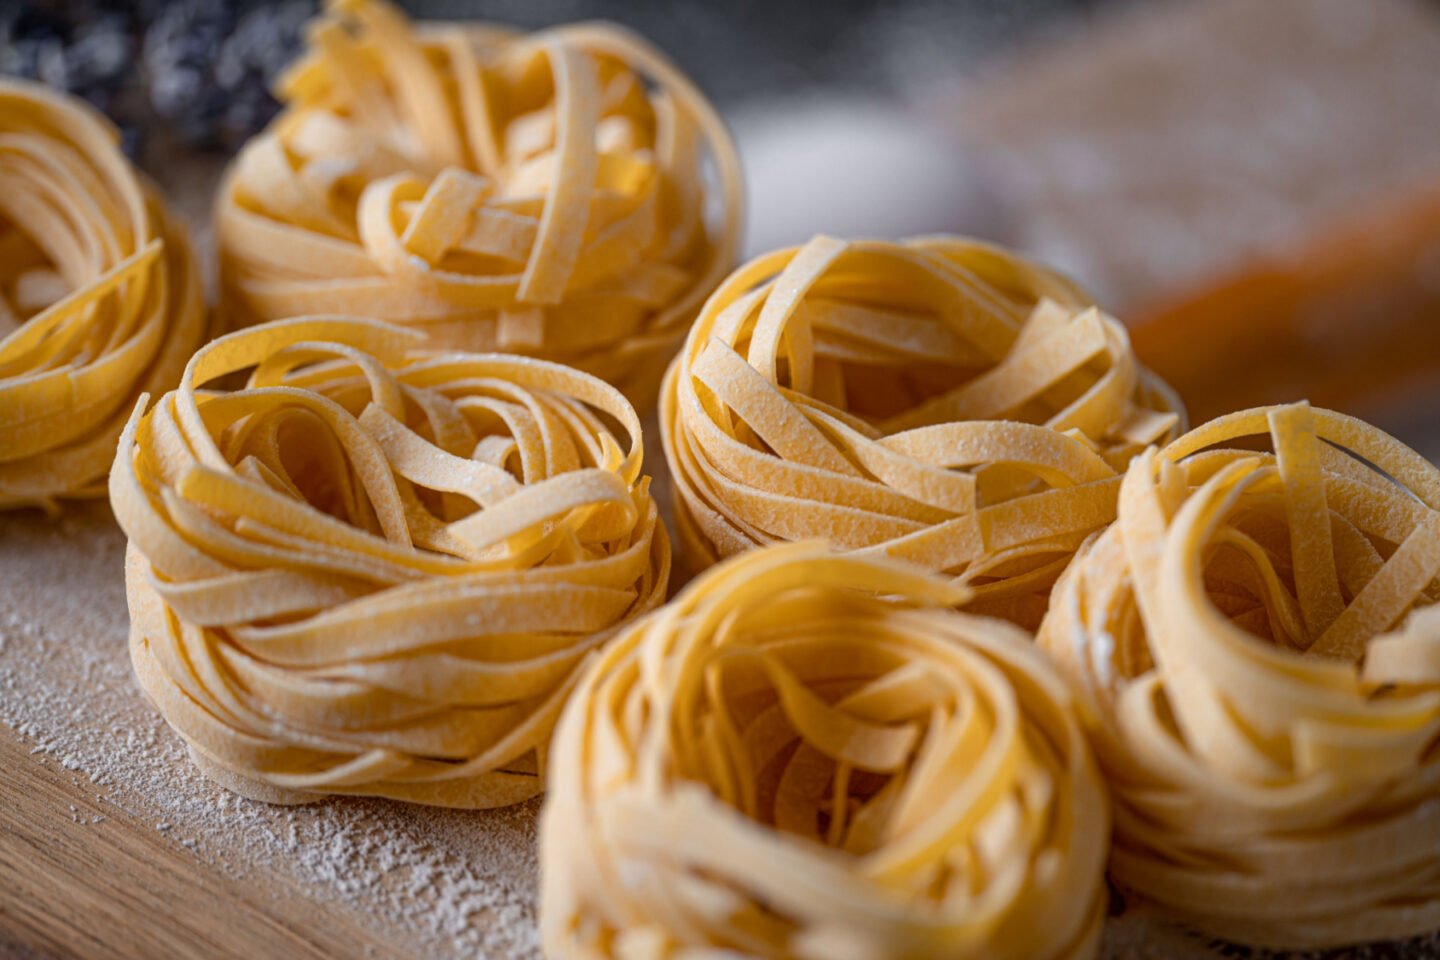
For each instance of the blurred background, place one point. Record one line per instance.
(1253, 186)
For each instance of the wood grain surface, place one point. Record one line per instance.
(112, 844)
(77, 885)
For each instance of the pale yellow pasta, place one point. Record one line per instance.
(809, 755)
(937, 400)
(543, 194)
(99, 296)
(376, 571)
(1257, 646)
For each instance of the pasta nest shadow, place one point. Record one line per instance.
(810, 754)
(566, 194)
(99, 296)
(372, 570)
(1257, 646)
(937, 400)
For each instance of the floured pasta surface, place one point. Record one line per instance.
(99, 296)
(376, 571)
(937, 400)
(543, 194)
(810, 755)
(1257, 643)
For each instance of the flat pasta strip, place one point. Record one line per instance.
(549, 194)
(810, 755)
(937, 400)
(374, 569)
(1257, 647)
(99, 296)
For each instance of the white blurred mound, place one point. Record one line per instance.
(853, 168)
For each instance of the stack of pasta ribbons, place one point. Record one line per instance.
(1256, 642)
(541, 194)
(372, 571)
(99, 296)
(938, 400)
(810, 755)
(393, 556)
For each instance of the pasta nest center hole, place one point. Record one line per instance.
(409, 447)
(799, 718)
(31, 279)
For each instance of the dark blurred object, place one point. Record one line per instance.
(202, 69)
(87, 49)
(758, 49)
(210, 65)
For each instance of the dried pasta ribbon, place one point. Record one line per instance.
(1257, 642)
(99, 296)
(372, 570)
(810, 755)
(937, 400)
(544, 194)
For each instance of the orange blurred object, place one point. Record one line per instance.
(1254, 187)
(1349, 319)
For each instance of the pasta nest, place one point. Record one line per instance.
(542, 194)
(99, 296)
(810, 755)
(937, 400)
(372, 571)
(1257, 645)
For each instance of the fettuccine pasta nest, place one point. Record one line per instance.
(1257, 642)
(810, 755)
(99, 296)
(937, 400)
(543, 194)
(376, 571)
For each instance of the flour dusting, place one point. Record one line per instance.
(452, 883)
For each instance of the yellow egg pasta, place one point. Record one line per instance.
(99, 296)
(373, 570)
(809, 755)
(544, 194)
(1256, 643)
(938, 400)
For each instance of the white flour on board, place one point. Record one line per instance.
(454, 883)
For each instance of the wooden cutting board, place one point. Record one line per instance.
(112, 845)
(84, 869)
